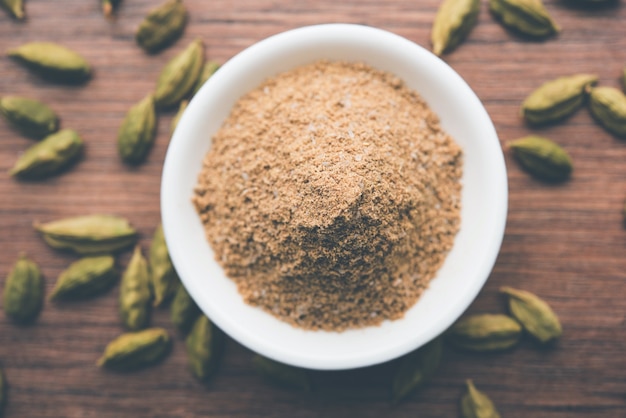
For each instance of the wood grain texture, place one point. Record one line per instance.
(566, 243)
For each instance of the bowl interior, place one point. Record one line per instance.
(484, 198)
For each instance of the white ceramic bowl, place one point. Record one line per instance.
(484, 198)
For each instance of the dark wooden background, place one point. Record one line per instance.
(566, 243)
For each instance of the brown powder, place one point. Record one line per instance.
(331, 196)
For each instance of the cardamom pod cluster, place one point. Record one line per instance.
(14, 7)
(135, 293)
(485, 332)
(557, 99)
(85, 278)
(48, 157)
(3, 391)
(542, 158)
(415, 369)
(178, 115)
(179, 76)
(204, 346)
(164, 278)
(22, 298)
(454, 21)
(528, 17)
(162, 26)
(608, 106)
(53, 61)
(135, 350)
(183, 311)
(32, 117)
(207, 71)
(91, 234)
(282, 374)
(136, 135)
(475, 404)
(535, 315)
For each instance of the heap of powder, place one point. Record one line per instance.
(331, 196)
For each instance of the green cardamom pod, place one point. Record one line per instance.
(204, 346)
(109, 7)
(85, 278)
(475, 404)
(180, 75)
(136, 135)
(557, 99)
(23, 291)
(135, 293)
(528, 17)
(535, 315)
(624, 79)
(542, 158)
(164, 277)
(162, 26)
(14, 7)
(91, 234)
(32, 117)
(608, 106)
(48, 157)
(415, 369)
(454, 21)
(183, 310)
(3, 391)
(135, 350)
(208, 70)
(485, 332)
(53, 60)
(281, 374)
(178, 115)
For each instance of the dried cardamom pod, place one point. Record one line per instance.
(162, 26)
(535, 315)
(53, 60)
(48, 157)
(3, 391)
(164, 277)
(109, 7)
(529, 17)
(23, 291)
(415, 369)
(136, 135)
(557, 99)
(91, 234)
(608, 106)
(475, 404)
(85, 278)
(204, 346)
(135, 350)
(454, 21)
(179, 75)
(207, 71)
(542, 158)
(135, 293)
(281, 374)
(485, 332)
(178, 115)
(183, 310)
(32, 117)
(14, 7)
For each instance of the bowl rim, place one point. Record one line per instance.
(372, 356)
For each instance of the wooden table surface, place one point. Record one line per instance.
(565, 243)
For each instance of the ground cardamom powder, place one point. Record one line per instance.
(331, 196)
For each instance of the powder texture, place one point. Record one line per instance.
(331, 196)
